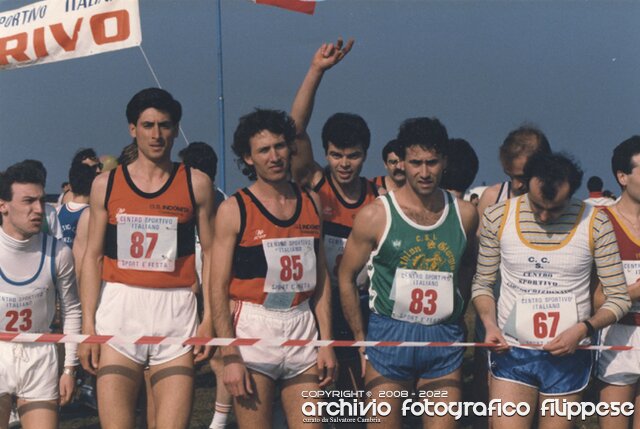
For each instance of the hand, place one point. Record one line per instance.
(329, 54)
(67, 386)
(236, 378)
(89, 355)
(494, 336)
(327, 366)
(205, 329)
(568, 340)
(634, 290)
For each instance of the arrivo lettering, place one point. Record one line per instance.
(16, 46)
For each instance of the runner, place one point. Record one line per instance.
(142, 220)
(619, 372)
(33, 265)
(345, 139)
(545, 244)
(269, 261)
(395, 169)
(596, 197)
(418, 234)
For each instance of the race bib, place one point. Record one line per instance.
(424, 297)
(147, 243)
(291, 265)
(539, 318)
(333, 249)
(24, 313)
(631, 275)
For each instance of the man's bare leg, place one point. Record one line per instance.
(557, 422)
(256, 411)
(5, 411)
(376, 383)
(172, 387)
(119, 380)
(615, 393)
(38, 414)
(513, 392)
(452, 385)
(292, 399)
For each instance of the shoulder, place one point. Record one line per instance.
(374, 213)
(202, 185)
(468, 214)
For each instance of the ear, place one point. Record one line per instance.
(622, 178)
(132, 130)
(176, 130)
(3, 207)
(247, 159)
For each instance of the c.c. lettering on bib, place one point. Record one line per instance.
(424, 297)
(24, 312)
(291, 265)
(540, 317)
(147, 243)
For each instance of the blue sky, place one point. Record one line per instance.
(481, 67)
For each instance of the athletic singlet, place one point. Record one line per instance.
(337, 219)
(28, 305)
(544, 289)
(629, 252)
(68, 217)
(274, 263)
(504, 193)
(380, 182)
(150, 238)
(414, 270)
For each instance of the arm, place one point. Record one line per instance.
(368, 227)
(227, 227)
(305, 170)
(80, 242)
(322, 310)
(91, 271)
(71, 315)
(488, 198)
(613, 287)
(486, 275)
(203, 192)
(469, 217)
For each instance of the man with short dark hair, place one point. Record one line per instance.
(33, 266)
(545, 244)
(395, 177)
(268, 260)
(419, 246)
(139, 267)
(596, 196)
(462, 167)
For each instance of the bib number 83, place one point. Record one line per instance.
(423, 301)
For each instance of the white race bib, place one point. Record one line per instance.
(291, 265)
(333, 249)
(540, 317)
(147, 243)
(424, 297)
(24, 313)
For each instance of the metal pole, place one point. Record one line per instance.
(221, 145)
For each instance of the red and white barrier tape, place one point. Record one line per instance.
(280, 342)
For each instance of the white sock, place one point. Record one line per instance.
(220, 414)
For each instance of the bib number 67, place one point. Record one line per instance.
(545, 325)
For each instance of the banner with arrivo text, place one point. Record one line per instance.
(56, 30)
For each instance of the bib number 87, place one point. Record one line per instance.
(545, 325)
(137, 244)
(423, 301)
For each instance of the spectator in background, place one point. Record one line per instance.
(462, 167)
(395, 177)
(596, 196)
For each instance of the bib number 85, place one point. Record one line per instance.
(423, 301)
(545, 325)
(291, 268)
